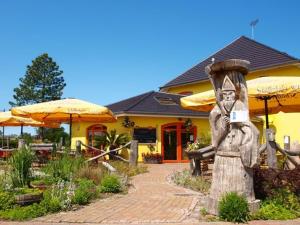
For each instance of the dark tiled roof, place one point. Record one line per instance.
(148, 103)
(259, 55)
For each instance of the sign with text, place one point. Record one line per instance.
(239, 116)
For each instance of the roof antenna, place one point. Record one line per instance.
(253, 24)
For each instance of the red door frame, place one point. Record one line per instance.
(179, 147)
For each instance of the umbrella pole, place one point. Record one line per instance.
(266, 113)
(70, 132)
(2, 136)
(21, 131)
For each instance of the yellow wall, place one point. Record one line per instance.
(206, 85)
(79, 130)
(195, 88)
(285, 123)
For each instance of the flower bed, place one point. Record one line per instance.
(65, 182)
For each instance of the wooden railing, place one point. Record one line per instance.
(133, 153)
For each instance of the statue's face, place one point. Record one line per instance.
(228, 95)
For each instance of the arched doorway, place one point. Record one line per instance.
(96, 135)
(175, 138)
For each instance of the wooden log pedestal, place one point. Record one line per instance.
(235, 140)
(230, 175)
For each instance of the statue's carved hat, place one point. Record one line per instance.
(228, 85)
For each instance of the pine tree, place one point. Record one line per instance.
(42, 82)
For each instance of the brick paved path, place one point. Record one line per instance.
(152, 200)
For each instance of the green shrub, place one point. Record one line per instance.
(283, 204)
(110, 184)
(23, 213)
(54, 204)
(286, 198)
(58, 197)
(233, 208)
(20, 163)
(185, 179)
(272, 211)
(51, 202)
(7, 200)
(64, 167)
(84, 192)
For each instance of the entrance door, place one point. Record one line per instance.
(175, 138)
(170, 143)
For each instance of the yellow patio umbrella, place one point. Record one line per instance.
(266, 95)
(66, 110)
(7, 119)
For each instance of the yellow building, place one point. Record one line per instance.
(153, 118)
(159, 120)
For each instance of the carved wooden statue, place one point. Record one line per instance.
(235, 139)
(271, 146)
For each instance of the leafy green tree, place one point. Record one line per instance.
(54, 134)
(42, 82)
(27, 137)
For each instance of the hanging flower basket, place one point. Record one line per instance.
(127, 123)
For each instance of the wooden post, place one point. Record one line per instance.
(195, 167)
(78, 147)
(7, 142)
(60, 144)
(292, 160)
(21, 143)
(287, 142)
(133, 156)
(271, 149)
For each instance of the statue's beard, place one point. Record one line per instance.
(228, 105)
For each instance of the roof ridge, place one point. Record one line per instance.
(203, 60)
(170, 93)
(146, 95)
(269, 47)
(242, 41)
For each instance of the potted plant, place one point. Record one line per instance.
(40, 184)
(26, 196)
(152, 156)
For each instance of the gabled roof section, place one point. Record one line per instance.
(260, 56)
(154, 103)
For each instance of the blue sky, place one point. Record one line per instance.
(111, 50)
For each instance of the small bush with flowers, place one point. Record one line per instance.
(152, 156)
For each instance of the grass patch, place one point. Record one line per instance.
(125, 169)
(23, 213)
(185, 179)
